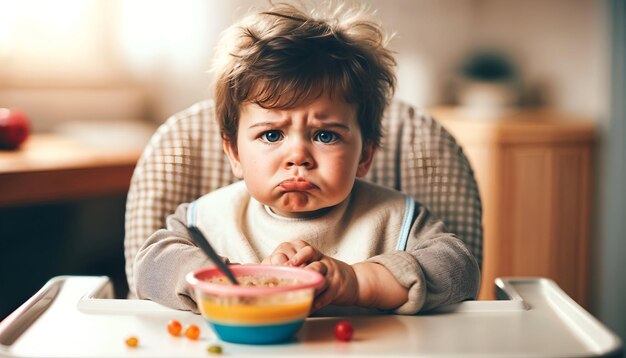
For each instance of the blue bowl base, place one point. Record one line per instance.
(263, 334)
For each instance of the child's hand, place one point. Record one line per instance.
(341, 286)
(293, 253)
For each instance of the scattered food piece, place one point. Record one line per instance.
(174, 327)
(214, 349)
(344, 331)
(132, 341)
(192, 332)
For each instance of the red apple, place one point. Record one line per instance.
(14, 128)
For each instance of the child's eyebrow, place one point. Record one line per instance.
(334, 125)
(323, 124)
(267, 124)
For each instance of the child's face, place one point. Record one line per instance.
(300, 160)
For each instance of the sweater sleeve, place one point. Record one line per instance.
(436, 267)
(164, 260)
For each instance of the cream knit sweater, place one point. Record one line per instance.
(373, 224)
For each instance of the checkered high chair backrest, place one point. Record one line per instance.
(184, 160)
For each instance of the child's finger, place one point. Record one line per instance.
(317, 304)
(305, 255)
(323, 299)
(318, 267)
(285, 248)
(279, 259)
(322, 289)
(299, 244)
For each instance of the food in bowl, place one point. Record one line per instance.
(269, 305)
(255, 281)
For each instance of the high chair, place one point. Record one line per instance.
(184, 160)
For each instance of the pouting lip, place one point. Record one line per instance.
(296, 184)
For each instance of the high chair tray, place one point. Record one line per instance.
(76, 316)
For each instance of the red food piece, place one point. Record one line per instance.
(174, 327)
(344, 331)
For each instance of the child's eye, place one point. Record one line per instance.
(271, 136)
(326, 137)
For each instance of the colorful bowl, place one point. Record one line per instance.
(253, 314)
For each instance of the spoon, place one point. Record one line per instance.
(208, 249)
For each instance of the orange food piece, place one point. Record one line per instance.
(174, 327)
(132, 341)
(192, 332)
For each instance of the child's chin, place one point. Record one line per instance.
(299, 212)
(296, 202)
(310, 213)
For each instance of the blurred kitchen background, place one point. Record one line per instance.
(98, 76)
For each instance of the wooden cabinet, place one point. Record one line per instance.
(534, 170)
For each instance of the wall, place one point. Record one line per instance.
(557, 46)
(608, 284)
(165, 50)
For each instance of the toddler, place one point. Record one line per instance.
(299, 99)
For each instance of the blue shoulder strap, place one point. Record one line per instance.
(191, 214)
(407, 221)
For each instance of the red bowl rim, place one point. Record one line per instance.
(309, 279)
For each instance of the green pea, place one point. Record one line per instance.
(214, 349)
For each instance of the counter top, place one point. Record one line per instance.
(50, 167)
(538, 125)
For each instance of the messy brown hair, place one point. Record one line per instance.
(283, 57)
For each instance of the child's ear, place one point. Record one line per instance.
(367, 156)
(233, 157)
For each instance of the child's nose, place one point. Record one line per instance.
(299, 155)
(297, 163)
